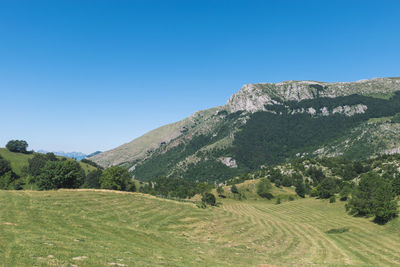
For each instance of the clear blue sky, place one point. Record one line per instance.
(91, 75)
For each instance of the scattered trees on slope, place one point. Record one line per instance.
(374, 196)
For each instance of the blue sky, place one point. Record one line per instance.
(91, 75)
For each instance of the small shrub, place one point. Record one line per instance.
(278, 201)
(209, 199)
(332, 199)
(291, 198)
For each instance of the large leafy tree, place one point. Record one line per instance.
(327, 188)
(19, 146)
(374, 196)
(38, 161)
(93, 179)
(116, 178)
(60, 174)
(385, 207)
(4, 166)
(7, 176)
(300, 189)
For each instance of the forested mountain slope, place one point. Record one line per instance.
(266, 124)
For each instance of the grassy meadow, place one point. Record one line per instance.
(108, 228)
(20, 160)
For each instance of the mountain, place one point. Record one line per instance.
(93, 154)
(269, 123)
(74, 155)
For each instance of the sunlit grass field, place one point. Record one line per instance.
(105, 228)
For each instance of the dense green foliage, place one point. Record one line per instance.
(373, 196)
(91, 163)
(117, 178)
(38, 162)
(160, 164)
(60, 174)
(208, 199)
(92, 179)
(263, 188)
(19, 146)
(327, 188)
(7, 176)
(174, 188)
(269, 138)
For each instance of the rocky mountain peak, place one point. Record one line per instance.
(253, 97)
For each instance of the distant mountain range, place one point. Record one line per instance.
(75, 155)
(269, 123)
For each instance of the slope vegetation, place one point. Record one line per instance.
(19, 160)
(265, 124)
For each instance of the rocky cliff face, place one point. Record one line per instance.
(254, 97)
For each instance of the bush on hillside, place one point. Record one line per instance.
(208, 199)
(18, 146)
(263, 188)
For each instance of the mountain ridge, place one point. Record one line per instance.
(203, 135)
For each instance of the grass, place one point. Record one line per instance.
(101, 228)
(19, 160)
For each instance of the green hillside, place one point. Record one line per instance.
(19, 160)
(108, 228)
(354, 126)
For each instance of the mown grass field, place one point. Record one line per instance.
(96, 228)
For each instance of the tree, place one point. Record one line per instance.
(234, 189)
(7, 176)
(131, 187)
(18, 146)
(93, 179)
(361, 203)
(6, 180)
(263, 188)
(60, 174)
(328, 188)
(278, 183)
(220, 191)
(345, 192)
(209, 199)
(4, 166)
(300, 189)
(36, 163)
(396, 185)
(385, 206)
(374, 196)
(287, 181)
(201, 188)
(115, 178)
